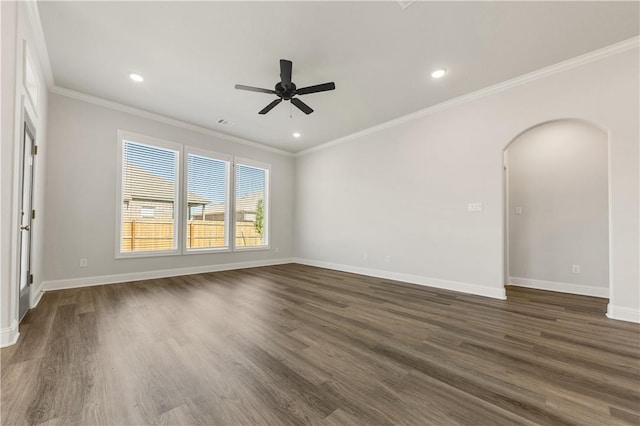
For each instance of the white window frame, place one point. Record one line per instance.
(181, 209)
(229, 222)
(177, 229)
(267, 203)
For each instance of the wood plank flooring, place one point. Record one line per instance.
(297, 345)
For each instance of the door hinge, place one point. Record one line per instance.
(33, 214)
(35, 150)
(30, 278)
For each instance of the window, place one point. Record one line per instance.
(31, 83)
(207, 201)
(251, 204)
(149, 194)
(176, 199)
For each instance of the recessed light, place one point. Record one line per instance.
(296, 135)
(438, 73)
(136, 77)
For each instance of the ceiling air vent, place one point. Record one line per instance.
(405, 3)
(224, 122)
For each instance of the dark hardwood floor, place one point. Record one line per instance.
(291, 344)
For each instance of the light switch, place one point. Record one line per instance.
(518, 210)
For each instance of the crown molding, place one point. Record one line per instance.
(162, 119)
(632, 43)
(33, 15)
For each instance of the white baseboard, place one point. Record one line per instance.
(36, 295)
(149, 275)
(623, 313)
(583, 290)
(9, 335)
(480, 290)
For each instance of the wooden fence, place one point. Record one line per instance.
(152, 235)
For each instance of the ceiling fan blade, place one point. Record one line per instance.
(255, 89)
(317, 88)
(285, 72)
(301, 106)
(270, 106)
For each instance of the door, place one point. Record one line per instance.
(26, 216)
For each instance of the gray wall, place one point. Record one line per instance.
(402, 190)
(558, 178)
(81, 192)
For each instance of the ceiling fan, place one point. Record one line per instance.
(286, 90)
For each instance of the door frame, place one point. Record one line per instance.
(505, 199)
(24, 296)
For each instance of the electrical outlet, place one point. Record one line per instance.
(575, 269)
(474, 207)
(366, 256)
(84, 263)
(277, 250)
(518, 210)
(387, 259)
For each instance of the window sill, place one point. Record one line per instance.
(207, 250)
(135, 255)
(257, 248)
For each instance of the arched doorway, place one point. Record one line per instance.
(557, 208)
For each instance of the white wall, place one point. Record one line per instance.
(81, 196)
(402, 191)
(17, 30)
(557, 176)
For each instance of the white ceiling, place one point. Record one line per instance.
(380, 56)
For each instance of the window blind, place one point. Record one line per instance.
(251, 205)
(207, 202)
(149, 183)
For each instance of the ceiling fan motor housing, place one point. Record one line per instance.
(285, 92)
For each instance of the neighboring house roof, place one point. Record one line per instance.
(249, 202)
(246, 203)
(141, 184)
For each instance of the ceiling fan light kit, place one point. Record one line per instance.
(285, 90)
